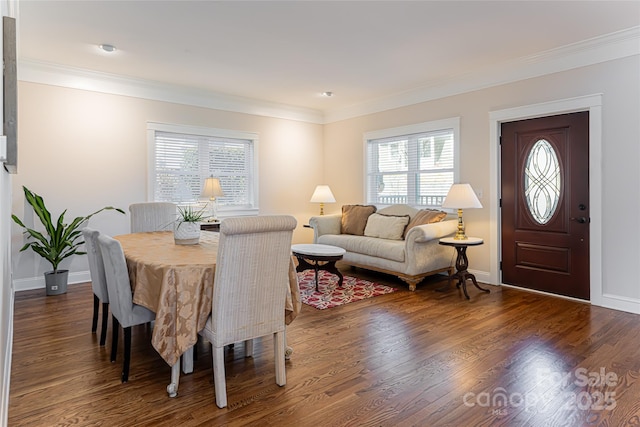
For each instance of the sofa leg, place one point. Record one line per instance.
(411, 282)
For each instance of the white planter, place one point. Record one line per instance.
(186, 233)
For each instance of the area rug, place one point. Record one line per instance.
(330, 295)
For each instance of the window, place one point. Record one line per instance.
(182, 157)
(413, 164)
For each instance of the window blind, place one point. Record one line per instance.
(416, 169)
(182, 163)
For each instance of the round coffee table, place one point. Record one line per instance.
(310, 255)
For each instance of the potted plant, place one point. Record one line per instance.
(59, 240)
(186, 229)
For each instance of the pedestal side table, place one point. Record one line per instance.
(462, 262)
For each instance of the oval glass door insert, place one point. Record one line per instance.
(542, 181)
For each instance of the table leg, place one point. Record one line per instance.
(331, 268)
(462, 263)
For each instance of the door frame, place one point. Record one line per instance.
(590, 103)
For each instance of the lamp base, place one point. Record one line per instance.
(460, 233)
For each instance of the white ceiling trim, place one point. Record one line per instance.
(613, 46)
(76, 78)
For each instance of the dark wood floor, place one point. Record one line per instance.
(424, 358)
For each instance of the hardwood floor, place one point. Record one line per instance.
(424, 358)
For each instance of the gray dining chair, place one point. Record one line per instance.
(251, 280)
(123, 311)
(98, 281)
(152, 216)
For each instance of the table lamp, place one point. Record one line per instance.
(461, 196)
(211, 190)
(322, 195)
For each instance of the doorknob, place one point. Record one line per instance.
(581, 220)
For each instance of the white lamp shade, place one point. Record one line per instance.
(322, 194)
(461, 196)
(212, 188)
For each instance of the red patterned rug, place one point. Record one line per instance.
(330, 295)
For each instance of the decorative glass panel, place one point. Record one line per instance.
(542, 181)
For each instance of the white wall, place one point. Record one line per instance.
(619, 84)
(83, 150)
(6, 289)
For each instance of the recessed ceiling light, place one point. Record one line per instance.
(327, 94)
(108, 47)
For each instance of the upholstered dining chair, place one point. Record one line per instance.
(249, 292)
(98, 281)
(152, 216)
(123, 311)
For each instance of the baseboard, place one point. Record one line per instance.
(630, 305)
(482, 277)
(38, 282)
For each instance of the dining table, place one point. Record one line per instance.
(176, 283)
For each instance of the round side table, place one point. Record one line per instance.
(462, 262)
(310, 255)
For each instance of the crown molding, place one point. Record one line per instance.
(609, 47)
(76, 78)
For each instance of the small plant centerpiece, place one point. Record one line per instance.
(187, 226)
(58, 241)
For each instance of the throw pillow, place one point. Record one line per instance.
(386, 226)
(354, 218)
(425, 216)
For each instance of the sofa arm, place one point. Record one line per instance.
(436, 230)
(325, 224)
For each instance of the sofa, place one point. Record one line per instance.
(398, 240)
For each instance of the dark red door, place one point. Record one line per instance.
(545, 204)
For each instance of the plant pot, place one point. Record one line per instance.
(186, 233)
(56, 282)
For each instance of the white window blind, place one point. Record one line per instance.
(182, 161)
(413, 168)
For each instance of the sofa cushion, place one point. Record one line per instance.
(386, 226)
(425, 216)
(354, 218)
(393, 250)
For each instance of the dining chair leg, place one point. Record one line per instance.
(219, 382)
(105, 319)
(172, 388)
(96, 306)
(278, 344)
(248, 348)
(127, 354)
(114, 338)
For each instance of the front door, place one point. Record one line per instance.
(545, 204)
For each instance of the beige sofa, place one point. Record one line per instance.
(412, 258)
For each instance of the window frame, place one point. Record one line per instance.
(153, 127)
(452, 123)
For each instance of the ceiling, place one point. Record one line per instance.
(289, 52)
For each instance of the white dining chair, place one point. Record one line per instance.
(98, 281)
(152, 216)
(251, 280)
(123, 311)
